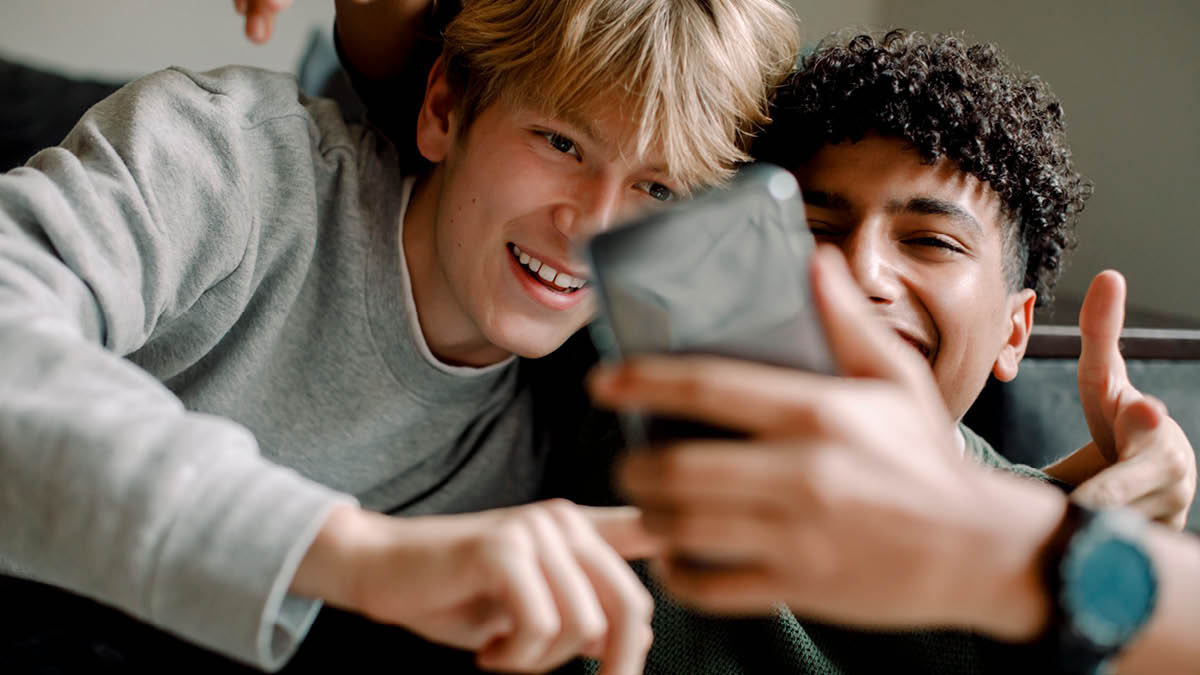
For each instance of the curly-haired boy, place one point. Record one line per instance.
(938, 167)
(944, 177)
(235, 333)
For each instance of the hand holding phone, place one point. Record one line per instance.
(724, 273)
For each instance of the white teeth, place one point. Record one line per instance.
(546, 272)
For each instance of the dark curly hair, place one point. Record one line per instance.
(947, 99)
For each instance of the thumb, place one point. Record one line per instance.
(1101, 376)
(621, 527)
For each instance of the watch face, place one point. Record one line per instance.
(1109, 590)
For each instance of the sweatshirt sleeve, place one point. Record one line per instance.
(108, 486)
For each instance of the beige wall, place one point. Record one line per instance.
(818, 17)
(1128, 72)
(1129, 76)
(124, 38)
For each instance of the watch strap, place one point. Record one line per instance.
(1066, 642)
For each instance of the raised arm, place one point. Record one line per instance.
(1138, 455)
(387, 48)
(377, 36)
(847, 500)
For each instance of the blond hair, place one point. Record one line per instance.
(695, 76)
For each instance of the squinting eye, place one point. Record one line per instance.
(561, 143)
(935, 242)
(819, 229)
(657, 191)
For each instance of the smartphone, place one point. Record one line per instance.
(723, 273)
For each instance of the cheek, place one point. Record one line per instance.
(967, 305)
(518, 192)
(502, 180)
(969, 317)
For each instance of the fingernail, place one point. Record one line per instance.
(257, 27)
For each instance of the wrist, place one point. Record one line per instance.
(1007, 594)
(1079, 466)
(329, 567)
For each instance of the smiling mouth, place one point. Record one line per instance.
(559, 282)
(922, 349)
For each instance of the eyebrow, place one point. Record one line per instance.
(932, 206)
(826, 200)
(580, 125)
(923, 205)
(588, 130)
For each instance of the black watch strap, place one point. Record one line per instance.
(1067, 642)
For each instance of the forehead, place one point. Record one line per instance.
(879, 172)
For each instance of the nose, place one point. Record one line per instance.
(591, 206)
(870, 256)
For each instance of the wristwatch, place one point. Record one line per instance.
(1102, 587)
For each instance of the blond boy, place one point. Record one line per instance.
(235, 334)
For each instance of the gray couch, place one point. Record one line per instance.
(1037, 417)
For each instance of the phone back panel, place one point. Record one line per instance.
(724, 273)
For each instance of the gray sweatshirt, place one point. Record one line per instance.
(207, 341)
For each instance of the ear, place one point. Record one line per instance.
(1020, 323)
(436, 121)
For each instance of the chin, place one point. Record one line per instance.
(533, 351)
(531, 344)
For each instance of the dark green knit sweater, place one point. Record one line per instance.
(586, 444)
(686, 642)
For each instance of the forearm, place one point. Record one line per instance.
(1014, 605)
(377, 38)
(1000, 587)
(110, 487)
(1078, 466)
(1168, 643)
(115, 492)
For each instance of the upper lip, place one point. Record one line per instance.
(557, 264)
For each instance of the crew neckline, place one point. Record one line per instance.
(393, 313)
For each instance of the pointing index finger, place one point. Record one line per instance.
(621, 527)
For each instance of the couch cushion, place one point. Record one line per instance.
(1037, 417)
